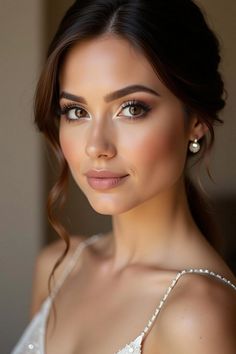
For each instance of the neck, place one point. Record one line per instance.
(153, 232)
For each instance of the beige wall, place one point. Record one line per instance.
(21, 174)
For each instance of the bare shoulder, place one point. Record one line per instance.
(200, 314)
(43, 267)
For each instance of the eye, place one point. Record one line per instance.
(72, 112)
(135, 109)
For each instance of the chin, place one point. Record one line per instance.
(107, 205)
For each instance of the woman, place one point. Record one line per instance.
(129, 94)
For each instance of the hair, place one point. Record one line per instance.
(185, 54)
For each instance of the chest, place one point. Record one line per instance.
(101, 317)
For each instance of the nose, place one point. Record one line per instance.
(100, 142)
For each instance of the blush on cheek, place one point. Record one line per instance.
(71, 155)
(158, 146)
(68, 148)
(161, 155)
(65, 147)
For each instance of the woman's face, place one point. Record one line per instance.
(141, 134)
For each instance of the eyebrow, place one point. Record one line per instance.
(113, 95)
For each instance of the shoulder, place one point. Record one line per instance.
(201, 315)
(48, 255)
(44, 263)
(50, 252)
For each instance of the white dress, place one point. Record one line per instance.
(33, 337)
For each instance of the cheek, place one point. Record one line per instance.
(157, 145)
(161, 151)
(70, 145)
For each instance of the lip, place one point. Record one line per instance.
(104, 174)
(106, 183)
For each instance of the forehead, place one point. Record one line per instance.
(106, 59)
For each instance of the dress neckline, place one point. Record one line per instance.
(136, 343)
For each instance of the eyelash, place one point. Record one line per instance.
(68, 107)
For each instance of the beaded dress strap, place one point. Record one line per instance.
(174, 281)
(72, 261)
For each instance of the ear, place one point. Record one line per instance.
(197, 128)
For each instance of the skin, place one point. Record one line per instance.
(152, 150)
(153, 234)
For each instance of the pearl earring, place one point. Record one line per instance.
(194, 146)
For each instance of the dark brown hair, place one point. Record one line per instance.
(184, 52)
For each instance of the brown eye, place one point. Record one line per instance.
(135, 109)
(75, 113)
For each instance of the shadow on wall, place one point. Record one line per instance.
(226, 220)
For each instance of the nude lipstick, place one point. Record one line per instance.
(104, 179)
